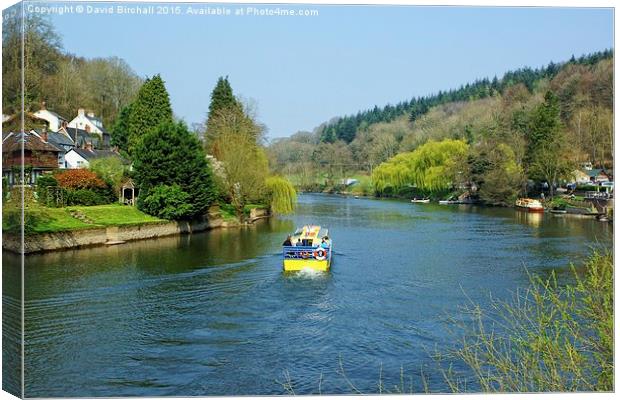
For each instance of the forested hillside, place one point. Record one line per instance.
(345, 128)
(64, 81)
(570, 101)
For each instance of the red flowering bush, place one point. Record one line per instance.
(79, 179)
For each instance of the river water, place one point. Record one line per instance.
(213, 313)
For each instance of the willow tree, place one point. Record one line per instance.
(433, 166)
(281, 195)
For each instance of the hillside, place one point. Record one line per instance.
(498, 111)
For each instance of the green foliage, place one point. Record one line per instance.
(120, 130)
(5, 188)
(544, 123)
(433, 166)
(170, 155)
(110, 169)
(346, 128)
(222, 98)
(554, 338)
(167, 202)
(227, 116)
(497, 173)
(43, 184)
(88, 197)
(150, 109)
(282, 195)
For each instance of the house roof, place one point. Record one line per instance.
(82, 137)
(54, 114)
(97, 122)
(59, 139)
(593, 173)
(13, 142)
(57, 115)
(92, 154)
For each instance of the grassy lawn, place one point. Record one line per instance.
(113, 214)
(46, 220)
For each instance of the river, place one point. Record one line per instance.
(213, 313)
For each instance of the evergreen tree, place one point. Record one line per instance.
(221, 98)
(169, 155)
(120, 130)
(225, 111)
(544, 123)
(151, 108)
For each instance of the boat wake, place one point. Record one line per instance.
(309, 273)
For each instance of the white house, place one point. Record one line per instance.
(81, 158)
(87, 122)
(55, 121)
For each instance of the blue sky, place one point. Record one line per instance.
(302, 71)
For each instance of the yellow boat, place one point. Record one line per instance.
(308, 248)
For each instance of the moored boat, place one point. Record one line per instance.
(420, 200)
(529, 205)
(308, 248)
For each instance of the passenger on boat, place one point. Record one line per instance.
(287, 242)
(299, 243)
(325, 242)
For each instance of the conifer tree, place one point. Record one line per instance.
(151, 108)
(120, 130)
(225, 111)
(169, 155)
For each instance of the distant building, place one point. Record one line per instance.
(580, 177)
(91, 124)
(82, 157)
(598, 175)
(81, 137)
(54, 121)
(348, 181)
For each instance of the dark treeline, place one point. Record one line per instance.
(346, 128)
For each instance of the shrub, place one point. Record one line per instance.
(556, 337)
(587, 188)
(79, 179)
(167, 202)
(12, 220)
(44, 182)
(110, 169)
(86, 197)
(5, 189)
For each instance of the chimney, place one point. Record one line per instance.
(80, 112)
(43, 105)
(89, 146)
(44, 134)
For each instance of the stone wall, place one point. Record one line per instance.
(101, 236)
(123, 233)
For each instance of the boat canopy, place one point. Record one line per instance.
(310, 235)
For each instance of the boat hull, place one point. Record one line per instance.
(300, 265)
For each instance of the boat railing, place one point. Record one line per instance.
(301, 252)
(597, 195)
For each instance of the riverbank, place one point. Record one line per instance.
(78, 227)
